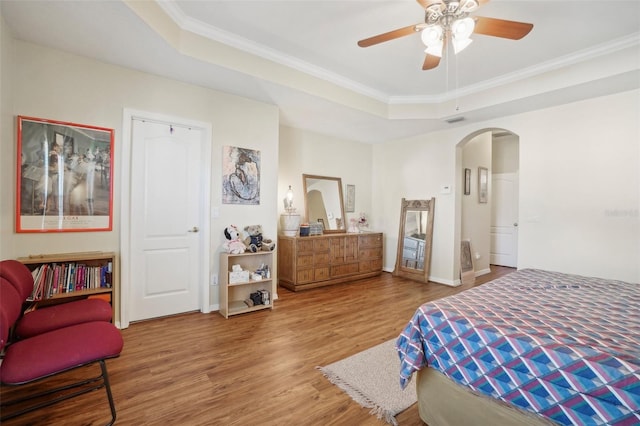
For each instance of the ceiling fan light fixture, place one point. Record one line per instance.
(462, 29)
(431, 35)
(434, 50)
(460, 45)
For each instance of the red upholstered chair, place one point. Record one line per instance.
(51, 353)
(50, 318)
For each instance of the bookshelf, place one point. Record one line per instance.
(236, 289)
(67, 276)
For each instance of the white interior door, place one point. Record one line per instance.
(166, 219)
(504, 219)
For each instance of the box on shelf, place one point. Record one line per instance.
(316, 228)
(238, 277)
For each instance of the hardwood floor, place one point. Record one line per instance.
(253, 369)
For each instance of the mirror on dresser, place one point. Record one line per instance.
(414, 239)
(323, 202)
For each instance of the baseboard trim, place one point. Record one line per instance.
(483, 272)
(450, 283)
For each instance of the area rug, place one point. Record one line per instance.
(371, 378)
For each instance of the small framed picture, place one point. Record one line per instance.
(350, 202)
(483, 184)
(467, 181)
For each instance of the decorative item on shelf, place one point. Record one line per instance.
(264, 271)
(237, 275)
(260, 297)
(233, 244)
(290, 220)
(255, 241)
(362, 222)
(316, 228)
(356, 225)
(304, 230)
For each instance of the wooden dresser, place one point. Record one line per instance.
(307, 262)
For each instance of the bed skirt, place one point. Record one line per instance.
(443, 402)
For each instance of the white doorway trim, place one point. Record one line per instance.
(125, 207)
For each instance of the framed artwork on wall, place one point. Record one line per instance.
(350, 199)
(241, 175)
(483, 184)
(467, 181)
(64, 176)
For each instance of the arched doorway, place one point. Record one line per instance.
(490, 224)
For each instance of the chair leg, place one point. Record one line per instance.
(103, 382)
(107, 386)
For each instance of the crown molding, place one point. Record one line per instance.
(195, 26)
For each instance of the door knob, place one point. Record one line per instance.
(194, 229)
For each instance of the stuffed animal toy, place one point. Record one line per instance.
(234, 244)
(255, 241)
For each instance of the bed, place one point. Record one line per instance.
(533, 347)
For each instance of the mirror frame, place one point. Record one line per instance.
(338, 180)
(404, 271)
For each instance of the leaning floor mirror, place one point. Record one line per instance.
(414, 239)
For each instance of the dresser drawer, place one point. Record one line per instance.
(321, 245)
(346, 269)
(372, 265)
(374, 240)
(321, 274)
(370, 253)
(304, 261)
(304, 276)
(304, 246)
(321, 258)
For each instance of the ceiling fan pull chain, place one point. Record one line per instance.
(446, 60)
(456, 77)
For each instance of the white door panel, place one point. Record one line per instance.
(165, 209)
(504, 220)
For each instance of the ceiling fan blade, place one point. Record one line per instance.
(430, 62)
(391, 35)
(501, 28)
(426, 3)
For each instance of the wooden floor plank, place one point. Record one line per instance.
(251, 369)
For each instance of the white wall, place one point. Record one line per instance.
(304, 152)
(579, 187)
(476, 216)
(52, 84)
(416, 169)
(7, 161)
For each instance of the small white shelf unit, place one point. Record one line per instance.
(233, 296)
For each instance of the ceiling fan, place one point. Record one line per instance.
(449, 21)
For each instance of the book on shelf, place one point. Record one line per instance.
(50, 279)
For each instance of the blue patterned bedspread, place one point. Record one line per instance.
(563, 346)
